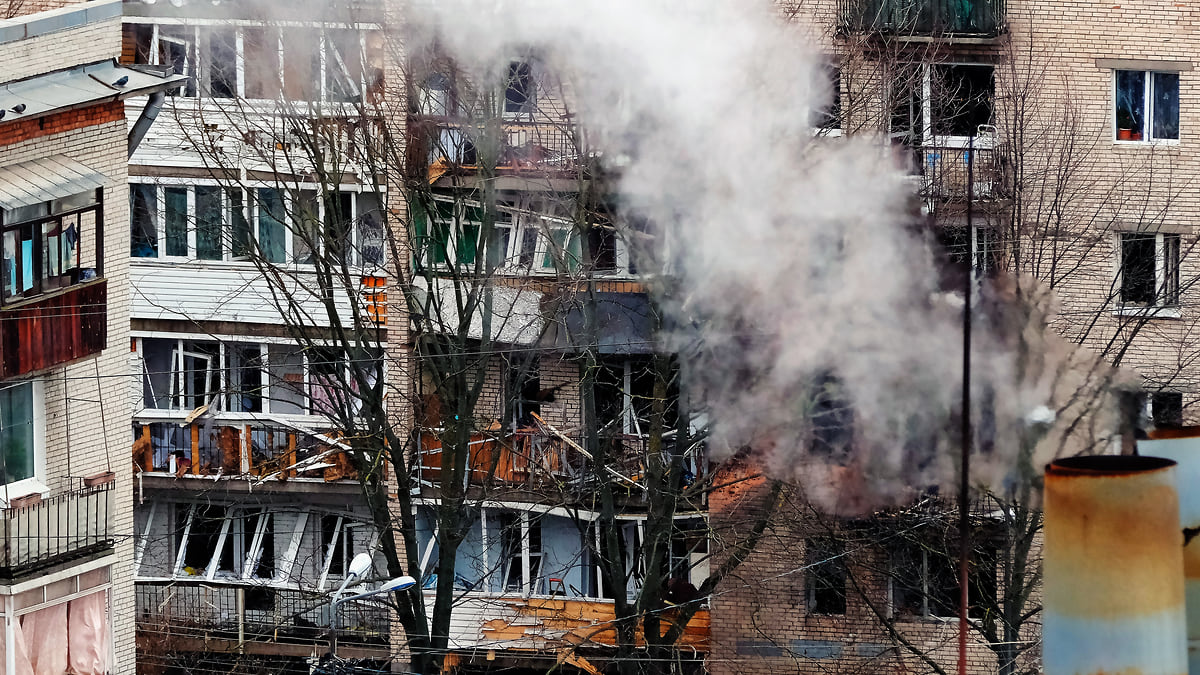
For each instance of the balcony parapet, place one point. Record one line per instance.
(40, 531)
(924, 18)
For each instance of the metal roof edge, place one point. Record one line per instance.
(55, 20)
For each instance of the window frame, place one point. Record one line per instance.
(831, 562)
(927, 602)
(38, 226)
(923, 132)
(1168, 262)
(1148, 101)
(36, 482)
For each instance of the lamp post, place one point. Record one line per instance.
(358, 567)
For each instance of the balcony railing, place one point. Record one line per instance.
(58, 528)
(54, 328)
(942, 171)
(924, 18)
(258, 613)
(446, 146)
(205, 448)
(531, 456)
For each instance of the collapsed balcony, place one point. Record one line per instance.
(448, 147)
(206, 448)
(923, 18)
(40, 531)
(215, 617)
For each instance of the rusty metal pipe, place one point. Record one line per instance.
(1186, 453)
(1113, 566)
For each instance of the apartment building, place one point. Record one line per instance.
(1065, 128)
(249, 510)
(66, 514)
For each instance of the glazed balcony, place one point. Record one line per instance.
(40, 531)
(920, 19)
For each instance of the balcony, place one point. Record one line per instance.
(58, 528)
(941, 172)
(238, 447)
(207, 614)
(54, 328)
(923, 18)
(533, 149)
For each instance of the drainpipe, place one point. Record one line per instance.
(142, 125)
(1185, 450)
(1113, 566)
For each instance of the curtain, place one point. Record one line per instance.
(20, 646)
(44, 631)
(87, 635)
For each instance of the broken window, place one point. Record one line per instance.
(688, 560)
(825, 566)
(828, 113)
(338, 545)
(1149, 269)
(370, 234)
(832, 418)
(433, 96)
(261, 48)
(962, 98)
(301, 64)
(213, 540)
(285, 370)
(521, 538)
(523, 389)
(176, 48)
(925, 582)
(343, 65)
(974, 246)
(219, 69)
(143, 208)
(519, 88)
(1166, 409)
(1146, 105)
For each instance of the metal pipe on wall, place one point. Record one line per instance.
(1185, 451)
(1113, 568)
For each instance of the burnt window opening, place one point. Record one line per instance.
(523, 392)
(825, 562)
(962, 98)
(973, 246)
(602, 246)
(925, 583)
(520, 88)
(1149, 269)
(831, 417)
(625, 397)
(337, 544)
(219, 70)
(1166, 409)
(512, 542)
(828, 113)
(434, 96)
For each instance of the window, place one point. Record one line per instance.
(18, 432)
(1146, 105)
(521, 538)
(940, 104)
(826, 567)
(925, 583)
(1149, 269)
(827, 116)
(303, 63)
(1166, 409)
(213, 540)
(520, 88)
(231, 223)
(831, 417)
(523, 390)
(625, 397)
(340, 542)
(43, 245)
(975, 246)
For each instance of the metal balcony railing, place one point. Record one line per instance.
(256, 612)
(58, 528)
(924, 18)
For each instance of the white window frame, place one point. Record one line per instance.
(1161, 264)
(927, 138)
(234, 524)
(1147, 108)
(35, 484)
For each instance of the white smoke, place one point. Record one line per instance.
(792, 254)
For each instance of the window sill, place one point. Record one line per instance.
(1154, 142)
(1169, 312)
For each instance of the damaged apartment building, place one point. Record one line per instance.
(65, 504)
(248, 511)
(1040, 145)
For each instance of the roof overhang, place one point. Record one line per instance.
(46, 179)
(80, 87)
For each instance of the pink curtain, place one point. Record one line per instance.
(87, 634)
(44, 631)
(23, 665)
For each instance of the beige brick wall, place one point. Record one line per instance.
(93, 394)
(63, 49)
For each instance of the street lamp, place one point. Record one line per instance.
(359, 566)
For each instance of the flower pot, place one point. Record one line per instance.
(1124, 134)
(27, 500)
(100, 479)
(1135, 136)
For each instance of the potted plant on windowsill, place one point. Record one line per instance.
(1125, 126)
